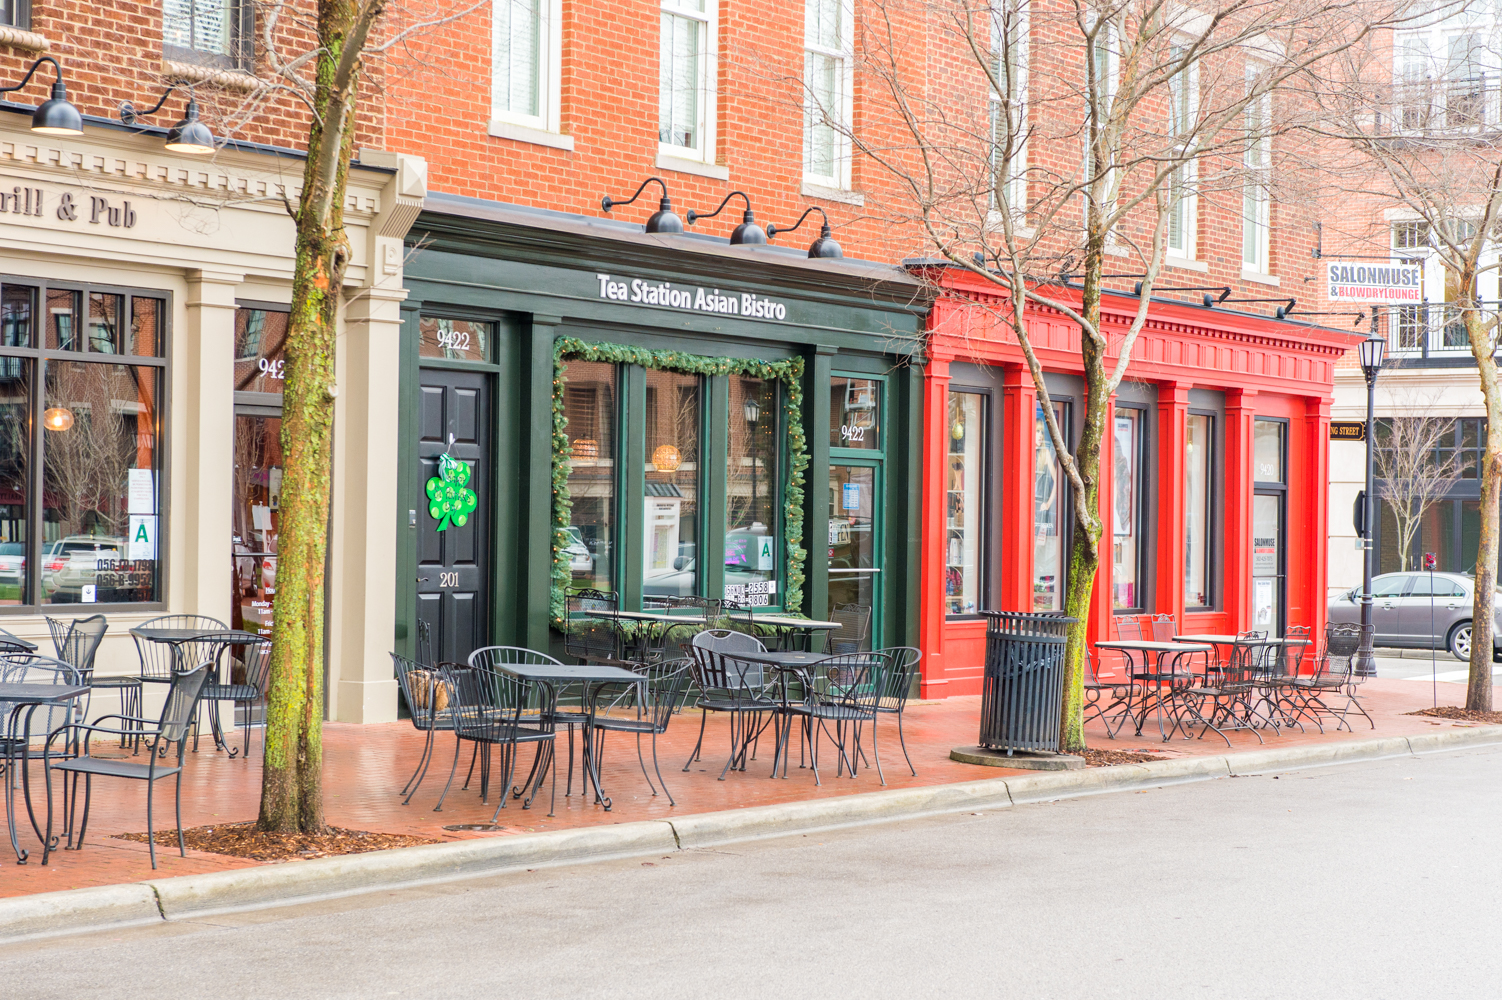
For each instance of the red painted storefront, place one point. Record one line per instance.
(1254, 367)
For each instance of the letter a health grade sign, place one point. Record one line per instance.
(1375, 284)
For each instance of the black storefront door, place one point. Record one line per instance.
(453, 565)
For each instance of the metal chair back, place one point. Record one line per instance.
(158, 659)
(491, 705)
(848, 680)
(496, 657)
(34, 668)
(895, 679)
(1128, 627)
(78, 641)
(1246, 660)
(1293, 652)
(423, 691)
(651, 702)
(854, 633)
(424, 642)
(591, 639)
(182, 699)
(1342, 640)
(1164, 628)
(716, 667)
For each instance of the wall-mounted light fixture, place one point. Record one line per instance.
(188, 136)
(57, 418)
(56, 116)
(748, 233)
(824, 246)
(661, 221)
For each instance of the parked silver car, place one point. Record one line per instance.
(1405, 604)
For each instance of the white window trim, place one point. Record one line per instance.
(1112, 81)
(1263, 221)
(709, 52)
(545, 125)
(1017, 182)
(1190, 170)
(840, 180)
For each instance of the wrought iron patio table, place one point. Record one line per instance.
(1160, 686)
(787, 663)
(801, 630)
(590, 675)
(28, 698)
(220, 639)
(1268, 696)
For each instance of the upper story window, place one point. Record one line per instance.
(1009, 69)
(1183, 115)
(526, 54)
(212, 32)
(1446, 74)
(828, 65)
(685, 124)
(1256, 220)
(16, 13)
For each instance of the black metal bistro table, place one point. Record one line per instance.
(785, 662)
(27, 698)
(218, 638)
(799, 630)
(590, 675)
(1153, 675)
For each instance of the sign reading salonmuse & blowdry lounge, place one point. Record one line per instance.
(1375, 283)
(697, 299)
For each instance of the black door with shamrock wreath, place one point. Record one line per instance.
(454, 541)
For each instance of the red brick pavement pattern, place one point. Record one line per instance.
(365, 765)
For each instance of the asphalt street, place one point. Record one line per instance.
(1369, 881)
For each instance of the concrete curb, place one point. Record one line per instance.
(190, 896)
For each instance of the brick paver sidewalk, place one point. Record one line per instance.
(366, 765)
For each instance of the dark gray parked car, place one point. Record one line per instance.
(1405, 604)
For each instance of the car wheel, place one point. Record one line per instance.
(1459, 641)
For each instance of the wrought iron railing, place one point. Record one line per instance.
(1424, 107)
(1434, 329)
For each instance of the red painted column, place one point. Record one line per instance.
(1019, 404)
(1101, 604)
(1173, 427)
(1236, 579)
(931, 573)
(1315, 498)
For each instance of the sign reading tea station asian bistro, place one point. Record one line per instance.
(696, 299)
(67, 207)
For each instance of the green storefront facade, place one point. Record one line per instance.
(649, 415)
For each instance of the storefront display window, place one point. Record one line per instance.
(1126, 505)
(855, 413)
(260, 350)
(964, 503)
(671, 511)
(1048, 514)
(752, 500)
(1197, 512)
(1267, 450)
(589, 409)
(84, 525)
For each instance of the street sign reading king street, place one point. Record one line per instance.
(1374, 283)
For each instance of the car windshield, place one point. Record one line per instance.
(12, 549)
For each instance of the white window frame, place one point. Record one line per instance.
(1112, 81)
(543, 128)
(1016, 182)
(704, 150)
(839, 180)
(1188, 173)
(1422, 84)
(1254, 191)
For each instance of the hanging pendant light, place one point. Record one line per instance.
(57, 115)
(823, 247)
(661, 221)
(748, 233)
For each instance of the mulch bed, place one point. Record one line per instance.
(1460, 714)
(1105, 758)
(242, 840)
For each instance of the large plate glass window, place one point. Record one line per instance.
(671, 512)
(753, 539)
(1048, 514)
(589, 409)
(1197, 511)
(1126, 511)
(80, 451)
(964, 508)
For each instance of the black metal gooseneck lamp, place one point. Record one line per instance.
(661, 221)
(1370, 352)
(188, 136)
(748, 233)
(824, 246)
(56, 116)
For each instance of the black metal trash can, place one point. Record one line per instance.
(1024, 681)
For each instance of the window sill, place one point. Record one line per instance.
(832, 194)
(1260, 278)
(698, 168)
(1186, 264)
(229, 79)
(17, 38)
(525, 133)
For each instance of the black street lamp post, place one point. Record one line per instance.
(1371, 351)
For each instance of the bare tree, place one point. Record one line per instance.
(1065, 148)
(1424, 150)
(1416, 467)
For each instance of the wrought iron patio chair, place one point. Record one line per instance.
(854, 633)
(588, 639)
(170, 727)
(641, 709)
(895, 684)
(737, 687)
(1164, 627)
(1103, 695)
(1281, 666)
(423, 692)
(841, 691)
(568, 711)
(1228, 700)
(20, 724)
(496, 710)
(245, 694)
(77, 642)
(1330, 691)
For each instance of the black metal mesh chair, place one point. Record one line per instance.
(588, 639)
(493, 709)
(842, 691)
(894, 684)
(854, 633)
(426, 697)
(1227, 699)
(245, 694)
(1105, 695)
(1330, 692)
(731, 685)
(1164, 628)
(641, 709)
(160, 661)
(171, 727)
(567, 710)
(1280, 669)
(19, 724)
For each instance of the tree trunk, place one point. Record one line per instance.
(292, 776)
(1478, 695)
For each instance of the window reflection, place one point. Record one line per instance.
(671, 510)
(1197, 512)
(15, 448)
(964, 512)
(1125, 501)
(1048, 514)
(753, 543)
(854, 413)
(589, 415)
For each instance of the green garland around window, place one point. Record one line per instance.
(790, 373)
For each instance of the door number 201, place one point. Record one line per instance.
(448, 579)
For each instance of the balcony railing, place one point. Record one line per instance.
(1427, 107)
(1433, 330)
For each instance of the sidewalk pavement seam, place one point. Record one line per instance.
(191, 896)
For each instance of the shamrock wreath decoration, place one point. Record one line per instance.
(450, 501)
